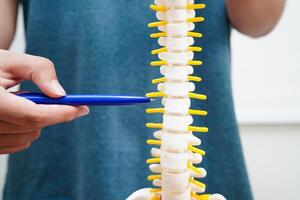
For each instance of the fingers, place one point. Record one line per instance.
(39, 70)
(53, 114)
(12, 140)
(20, 111)
(10, 128)
(14, 149)
(21, 119)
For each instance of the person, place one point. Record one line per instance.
(103, 47)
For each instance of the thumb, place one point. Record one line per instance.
(42, 73)
(39, 70)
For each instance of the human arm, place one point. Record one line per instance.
(254, 17)
(8, 18)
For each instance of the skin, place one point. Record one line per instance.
(8, 16)
(21, 121)
(254, 18)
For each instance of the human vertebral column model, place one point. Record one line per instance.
(174, 153)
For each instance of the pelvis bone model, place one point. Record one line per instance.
(174, 153)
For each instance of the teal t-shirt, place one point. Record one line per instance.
(103, 47)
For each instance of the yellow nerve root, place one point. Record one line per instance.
(155, 24)
(198, 129)
(164, 49)
(194, 169)
(154, 125)
(195, 6)
(198, 183)
(155, 190)
(157, 35)
(159, 80)
(153, 160)
(197, 96)
(195, 19)
(164, 62)
(195, 62)
(189, 7)
(155, 94)
(154, 142)
(158, 8)
(190, 112)
(164, 34)
(153, 177)
(163, 79)
(158, 63)
(156, 51)
(201, 197)
(194, 78)
(198, 49)
(196, 150)
(198, 112)
(155, 110)
(195, 34)
(190, 128)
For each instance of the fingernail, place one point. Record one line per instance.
(58, 88)
(83, 111)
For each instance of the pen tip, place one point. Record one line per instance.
(152, 100)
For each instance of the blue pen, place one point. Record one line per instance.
(92, 100)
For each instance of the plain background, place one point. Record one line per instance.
(266, 88)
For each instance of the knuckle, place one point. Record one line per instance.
(72, 115)
(44, 63)
(36, 135)
(48, 63)
(19, 140)
(34, 120)
(68, 115)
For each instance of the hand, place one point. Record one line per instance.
(21, 120)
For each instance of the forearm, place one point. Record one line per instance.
(254, 17)
(8, 17)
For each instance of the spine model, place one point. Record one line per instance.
(174, 152)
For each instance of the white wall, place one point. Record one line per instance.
(266, 72)
(267, 96)
(272, 156)
(2, 172)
